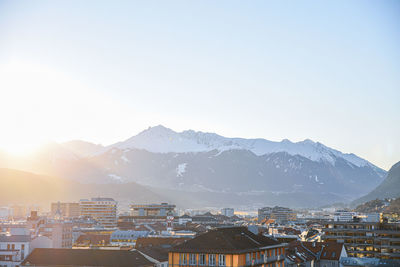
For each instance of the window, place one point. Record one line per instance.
(247, 257)
(211, 259)
(221, 260)
(183, 259)
(202, 259)
(192, 259)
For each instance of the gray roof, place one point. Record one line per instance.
(15, 238)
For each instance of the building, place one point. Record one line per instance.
(103, 210)
(19, 212)
(61, 234)
(365, 239)
(230, 246)
(264, 213)
(156, 249)
(86, 257)
(126, 237)
(279, 214)
(368, 262)
(228, 212)
(152, 210)
(314, 254)
(65, 210)
(343, 216)
(373, 217)
(184, 219)
(5, 213)
(13, 249)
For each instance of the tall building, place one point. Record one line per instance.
(152, 210)
(65, 210)
(264, 213)
(229, 246)
(279, 214)
(343, 216)
(103, 210)
(366, 239)
(228, 212)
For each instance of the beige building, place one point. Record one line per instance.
(65, 210)
(103, 210)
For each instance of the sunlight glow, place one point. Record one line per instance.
(34, 99)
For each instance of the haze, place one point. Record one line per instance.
(102, 71)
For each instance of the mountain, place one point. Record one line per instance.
(82, 148)
(20, 187)
(389, 188)
(160, 139)
(214, 170)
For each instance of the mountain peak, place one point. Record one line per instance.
(159, 129)
(160, 139)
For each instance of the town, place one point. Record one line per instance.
(94, 232)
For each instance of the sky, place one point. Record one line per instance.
(102, 71)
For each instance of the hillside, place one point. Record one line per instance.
(19, 187)
(379, 206)
(389, 188)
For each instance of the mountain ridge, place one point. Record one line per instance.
(160, 139)
(220, 169)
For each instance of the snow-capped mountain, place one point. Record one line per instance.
(160, 139)
(213, 170)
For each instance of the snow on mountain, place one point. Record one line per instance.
(160, 139)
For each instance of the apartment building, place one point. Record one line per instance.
(228, 212)
(13, 249)
(152, 210)
(65, 210)
(366, 239)
(103, 210)
(343, 216)
(230, 246)
(279, 214)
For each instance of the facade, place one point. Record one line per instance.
(156, 249)
(366, 239)
(13, 249)
(61, 235)
(65, 210)
(230, 246)
(343, 216)
(228, 212)
(279, 214)
(152, 210)
(126, 237)
(103, 210)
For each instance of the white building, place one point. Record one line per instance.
(373, 217)
(13, 249)
(228, 212)
(103, 210)
(343, 216)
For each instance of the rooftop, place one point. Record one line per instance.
(226, 240)
(86, 257)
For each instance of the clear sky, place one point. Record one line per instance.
(102, 71)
